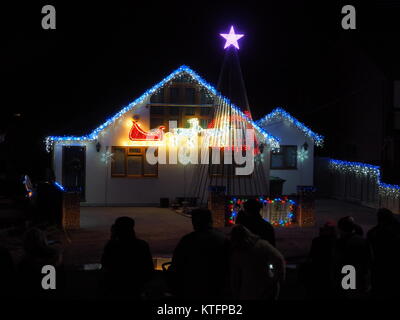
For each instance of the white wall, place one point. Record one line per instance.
(290, 135)
(174, 180)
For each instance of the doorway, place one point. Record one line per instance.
(74, 169)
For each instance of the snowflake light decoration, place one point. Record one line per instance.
(302, 155)
(106, 157)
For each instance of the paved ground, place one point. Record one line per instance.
(163, 228)
(295, 242)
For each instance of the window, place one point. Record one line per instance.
(118, 163)
(156, 122)
(157, 110)
(284, 158)
(222, 169)
(174, 95)
(174, 111)
(134, 165)
(205, 111)
(205, 98)
(186, 95)
(158, 97)
(204, 123)
(190, 95)
(131, 162)
(190, 111)
(216, 169)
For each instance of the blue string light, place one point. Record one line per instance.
(274, 141)
(59, 186)
(279, 113)
(364, 169)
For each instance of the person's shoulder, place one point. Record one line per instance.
(357, 240)
(264, 246)
(109, 244)
(265, 223)
(4, 251)
(141, 243)
(188, 238)
(222, 236)
(372, 232)
(217, 232)
(262, 243)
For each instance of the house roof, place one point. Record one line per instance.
(274, 141)
(280, 114)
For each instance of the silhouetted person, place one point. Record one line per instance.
(252, 220)
(256, 267)
(6, 273)
(127, 262)
(357, 228)
(199, 263)
(354, 250)
(385, 241)
(319, 277)
(48, 203)
(37, 253)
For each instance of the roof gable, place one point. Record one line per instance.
(280, 114)
(273, 141)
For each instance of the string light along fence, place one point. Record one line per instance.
(360, 182)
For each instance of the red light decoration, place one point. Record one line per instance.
(138, 134)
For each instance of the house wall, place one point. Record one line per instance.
(174, 180)
(304, 174)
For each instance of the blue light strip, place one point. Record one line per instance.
(59, 186)
(280, 113)
(274, 141)
(365, 169)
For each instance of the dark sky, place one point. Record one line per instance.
(102, 56)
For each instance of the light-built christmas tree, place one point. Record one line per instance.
(231, 127)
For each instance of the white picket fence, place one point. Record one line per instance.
(355, 182)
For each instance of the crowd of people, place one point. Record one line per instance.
(243, 265)
(374, 256)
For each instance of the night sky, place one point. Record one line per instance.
(101, 57)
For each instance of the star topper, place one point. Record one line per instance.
(231, 38)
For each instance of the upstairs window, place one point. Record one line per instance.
(205, 98)
(158, 97)
(174, 96)
(190, 95)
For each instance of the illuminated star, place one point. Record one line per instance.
(231, 38)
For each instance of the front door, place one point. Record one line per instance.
(73, 169)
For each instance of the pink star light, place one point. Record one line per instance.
(231, 38)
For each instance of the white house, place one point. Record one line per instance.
(294, 160)
(109, 165)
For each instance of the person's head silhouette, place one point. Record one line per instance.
(242, 238)
(201, 219)
(123, 228)
(252, 207)
(328, 229)
(346, 226)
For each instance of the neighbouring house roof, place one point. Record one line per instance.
(273, 141)
(280, 114)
